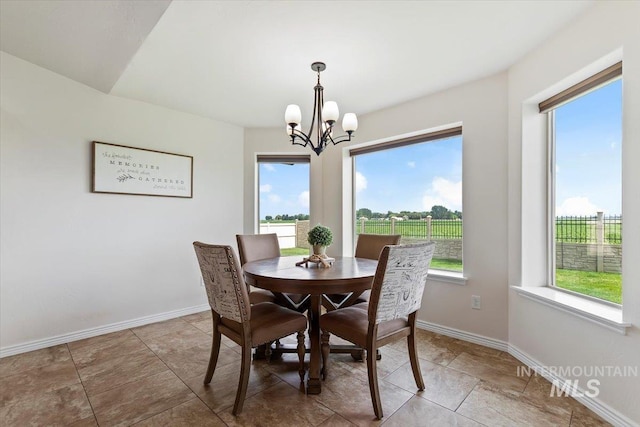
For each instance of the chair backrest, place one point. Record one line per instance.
(370, 245)
(399, 281)
(226, 289)
(253, 247)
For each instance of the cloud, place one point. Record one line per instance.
(274, 198)
(265, 188)
(303, 199)
(269, 167)
(411, 164)
(444, 193)
(577, 206)
(361, 182)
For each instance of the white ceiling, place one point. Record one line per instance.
(243, 61)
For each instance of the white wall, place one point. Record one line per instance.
(554, 338)
(482, 108)
(496, 112)
(73, 260)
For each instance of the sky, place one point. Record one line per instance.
(411, 178)
(419, 176)
(284, 189)
(589, 153)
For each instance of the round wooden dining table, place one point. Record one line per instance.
(282, 275)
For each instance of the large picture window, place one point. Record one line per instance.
(413, 187)
(585, 191)
(283, 201)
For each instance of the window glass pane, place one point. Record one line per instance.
(284, 204)
(588, 193)
(415, 191)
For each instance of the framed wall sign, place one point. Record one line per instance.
(128, 170)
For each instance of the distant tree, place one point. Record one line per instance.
(268, 218)
(364, 212)
(458, 214)
(278, 217)
(440, 212)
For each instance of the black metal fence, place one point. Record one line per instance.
(569, 229)
(589, 229)
(423, 228)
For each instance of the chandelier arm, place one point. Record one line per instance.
(327, 133)
(317, 89)
(319, 102)
(293, 141)
(343, 138)
(300, 135)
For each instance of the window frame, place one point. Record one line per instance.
(548, 107)
(275, 158)
(433, 135)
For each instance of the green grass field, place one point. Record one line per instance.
(294, 251)
(606, 286)
(446, 264)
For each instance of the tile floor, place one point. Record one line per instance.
(152, 376)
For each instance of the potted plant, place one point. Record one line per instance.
(320, 237)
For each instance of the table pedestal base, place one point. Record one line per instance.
(314, 386)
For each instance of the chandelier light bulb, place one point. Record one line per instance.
(350, 122)
(293, 114)
(330, 112)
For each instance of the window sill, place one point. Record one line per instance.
(600, 313)
(447, 277)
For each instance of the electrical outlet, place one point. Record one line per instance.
(201, 281)
(475, 302)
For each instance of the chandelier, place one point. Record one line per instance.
(325, 115)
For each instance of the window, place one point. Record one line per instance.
(585, 186)
(283, 202)
(413, 187)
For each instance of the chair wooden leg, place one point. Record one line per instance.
(413, 355)
(215, 351)
(372, 372)
(301, 352)
(259, 352)
(357, 354)
(245, 370)
(324, 338)
(267, 351)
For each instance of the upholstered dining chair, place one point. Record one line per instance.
(368, 246)
(253, 247)
(396, 296)
(233, 316)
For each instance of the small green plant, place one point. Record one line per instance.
(320, 235)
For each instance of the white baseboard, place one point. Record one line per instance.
(100, 330)
(463, 335)
(597, 406)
